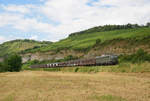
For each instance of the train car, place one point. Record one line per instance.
(99, 60)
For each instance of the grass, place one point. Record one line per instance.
(108, 98)
(59, 86)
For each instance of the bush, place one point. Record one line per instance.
(138, 57)
(97, 43)
(13, 63)
(33, 62)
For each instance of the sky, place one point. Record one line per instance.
(52, 20)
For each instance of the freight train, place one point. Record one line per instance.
(97, 61)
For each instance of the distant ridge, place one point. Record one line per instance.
(16, 46)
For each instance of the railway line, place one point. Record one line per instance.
(99, 60)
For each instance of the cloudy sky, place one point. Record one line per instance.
(55, 19)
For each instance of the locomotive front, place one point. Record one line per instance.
(107, 60)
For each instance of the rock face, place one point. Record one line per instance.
(26, 58)
(115, 47)
(49, 55)
(41, 57)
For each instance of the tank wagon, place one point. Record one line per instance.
(97, 61)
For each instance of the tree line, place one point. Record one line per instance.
(110, 28)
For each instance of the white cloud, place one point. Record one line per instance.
(18, 21)
(34, 37)
(74, 15)
(3, 39)
(18, 8)
(8, 19)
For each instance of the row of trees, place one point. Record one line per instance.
(11, 63)
(29, 40)
(110, 28)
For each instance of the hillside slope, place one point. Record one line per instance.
(17, 46)
(87, 41)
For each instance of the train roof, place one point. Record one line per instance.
(106, 55)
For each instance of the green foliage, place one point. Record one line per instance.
(29, 63)
(107, 98)
(97, 43)
(33, 62)
(2, 69)
(138, 57)
(148, 24)
(70, 57)
(13, 63)
(76, 69)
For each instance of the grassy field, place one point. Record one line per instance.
(59, 86)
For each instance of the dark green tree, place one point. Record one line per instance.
(98, 41)
(2, 69)
(13, 63)
(148, 24)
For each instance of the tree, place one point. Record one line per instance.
(148, 24)
(2, 69)
(129, 25)
(13, 63)
(98, 41)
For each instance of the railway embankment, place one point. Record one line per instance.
(125, 67)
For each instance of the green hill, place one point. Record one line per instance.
(18, 46)
(117, 39)
(86, 41)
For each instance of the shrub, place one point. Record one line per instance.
(70, 57)
(97, 43)
(33, 62)
(76, 69)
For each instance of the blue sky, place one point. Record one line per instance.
(21, 2)
(53, 20)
